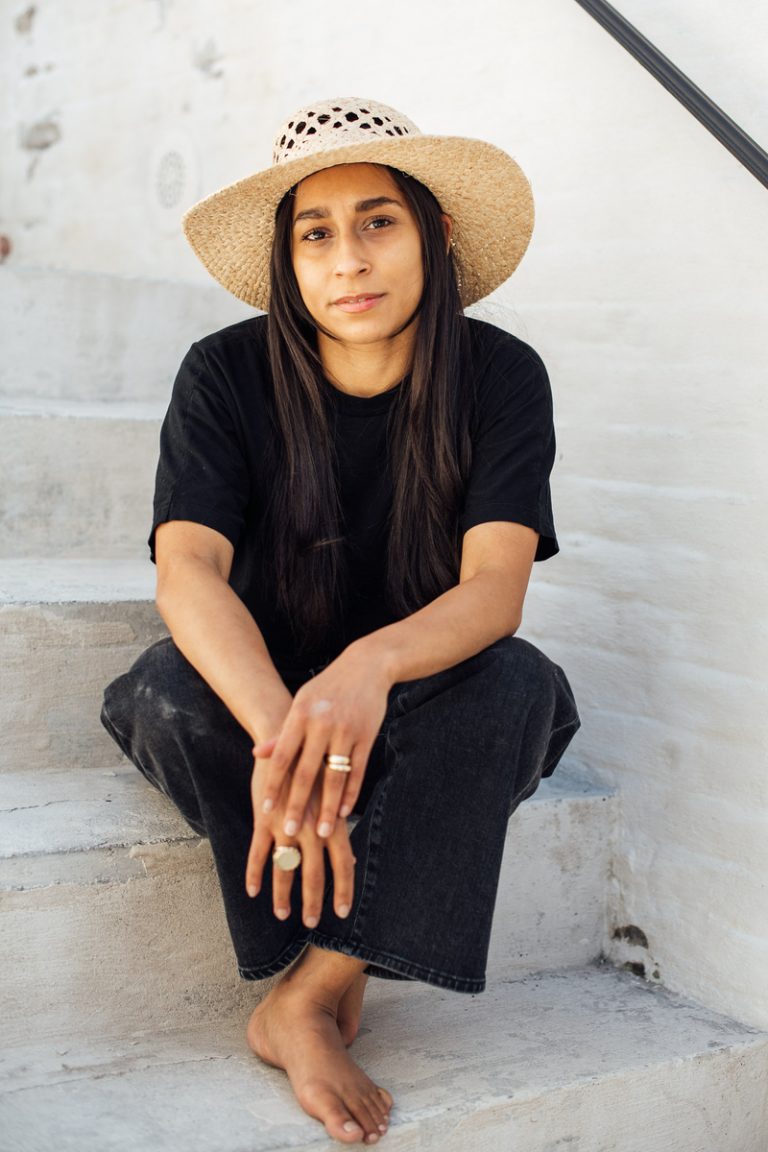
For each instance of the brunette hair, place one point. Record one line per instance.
(429, 434)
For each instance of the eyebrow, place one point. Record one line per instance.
(361, 206)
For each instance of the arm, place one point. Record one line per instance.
(487, 604)
(214, 630)
(212, 627)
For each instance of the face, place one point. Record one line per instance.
(356, 252)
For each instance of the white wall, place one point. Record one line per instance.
(722, 48)
(644, 289)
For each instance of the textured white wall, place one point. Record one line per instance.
(645, 291)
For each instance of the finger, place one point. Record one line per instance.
(334, 783)
(343, 868)
(288, 744)
(312, 880)
(354, 781)
(261, 843)
(282, 882)
(304, 776)
(265, 749)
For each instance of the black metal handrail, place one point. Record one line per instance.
(743, 147)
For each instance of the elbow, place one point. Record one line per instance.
(170, 577)
(517, 620)
(162, 598)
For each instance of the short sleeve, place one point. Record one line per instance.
(513, 448)
(202, 474)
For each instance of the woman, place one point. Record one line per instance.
(351, 493)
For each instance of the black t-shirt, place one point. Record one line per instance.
(212, 470)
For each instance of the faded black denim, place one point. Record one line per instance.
(457, 752)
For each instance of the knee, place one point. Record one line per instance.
(518, 662)
(527, 672)
(161, 686)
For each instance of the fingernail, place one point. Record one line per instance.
(291, 828)
(350, 1126)
(282, 913)
(267, 806)
(324, 829)
(311, 921)
(252, 890)
(345, 810)
(343, 910)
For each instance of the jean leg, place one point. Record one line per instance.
(180, 735)
(464, 747)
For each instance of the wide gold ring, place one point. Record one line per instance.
(286, 857)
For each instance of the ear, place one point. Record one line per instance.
(448, 229)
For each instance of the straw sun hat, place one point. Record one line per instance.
(478, 185)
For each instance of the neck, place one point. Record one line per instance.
(367, 369)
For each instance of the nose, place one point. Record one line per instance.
(351, 258)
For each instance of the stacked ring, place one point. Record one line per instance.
(338, 763)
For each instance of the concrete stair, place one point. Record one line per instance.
(66, 628)
(122, 1012)
(84, 337)
(86, 848)
(60, 498)
(585, 1058)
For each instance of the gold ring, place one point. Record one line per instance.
(286, 857)
(338, 763)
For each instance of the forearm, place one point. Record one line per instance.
(454, 626)
(215, 631)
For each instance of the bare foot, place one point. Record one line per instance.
(295, 1028)
(351, 1009)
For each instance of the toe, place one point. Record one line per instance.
(339, 1121)
(342, 1125)
(387, 1099)
(376, 1108)
(351, 1132)
(367, 1116)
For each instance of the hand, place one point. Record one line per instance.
(267, 831)
(340, 711)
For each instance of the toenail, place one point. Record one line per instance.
(350, 1126)
(372, 1138)
(382, 1127)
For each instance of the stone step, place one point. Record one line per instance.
(67, 627)
(85, 336)
(584, 1058)
(112, 916)
(77, 479)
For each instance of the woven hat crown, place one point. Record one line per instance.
(336, 123)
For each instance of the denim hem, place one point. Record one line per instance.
(398, 966)
(286, 957)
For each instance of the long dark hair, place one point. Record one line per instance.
(428, 434)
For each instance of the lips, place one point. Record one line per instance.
(359, 303)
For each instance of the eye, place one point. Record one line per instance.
(379, 222)
(315, 234)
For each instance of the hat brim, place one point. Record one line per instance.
(482, 188)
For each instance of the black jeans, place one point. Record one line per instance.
(456, 753)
